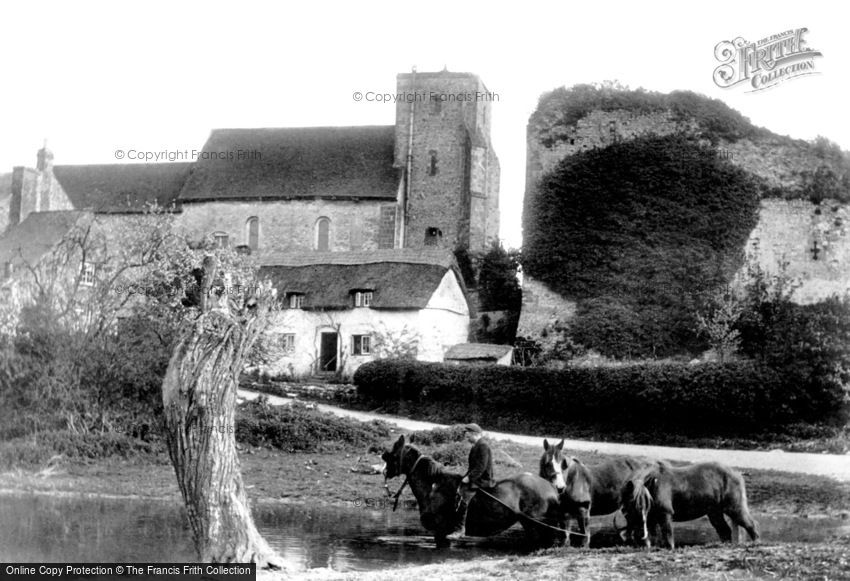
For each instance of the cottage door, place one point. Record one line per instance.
(327, 354)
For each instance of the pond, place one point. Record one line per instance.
(43, 528)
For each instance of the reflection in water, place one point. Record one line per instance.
(39, 528)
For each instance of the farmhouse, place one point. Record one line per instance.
(344, 309)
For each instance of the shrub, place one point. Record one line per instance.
(298, 428)
(35, 450)
(637, 232)
(736, 396)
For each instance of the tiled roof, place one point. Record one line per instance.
(117, 188)
(324, 162)
(477, 351)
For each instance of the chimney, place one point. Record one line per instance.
(45, 159)
(17, 193)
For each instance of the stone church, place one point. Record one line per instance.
(432, 179)
(355, 226)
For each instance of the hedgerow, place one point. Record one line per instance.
(739, 396)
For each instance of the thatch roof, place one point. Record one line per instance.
(307, 162)
(120, 188)
(37, 235)
(398, 279)
(482, 351)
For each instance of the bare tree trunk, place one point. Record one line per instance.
(199, 397)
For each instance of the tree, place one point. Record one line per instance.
(70, 365)
(199, 400)
(718, 323)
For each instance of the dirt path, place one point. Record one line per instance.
(836, 466)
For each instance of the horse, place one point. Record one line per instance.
(525, 498)
(588, 490)
(663, 494)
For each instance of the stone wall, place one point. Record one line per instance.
(598, 129)
(290, 226)
(454, 174)
(543, 311)
(812, 239)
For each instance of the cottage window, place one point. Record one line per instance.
(296, 301)
(253, 232)
(287, 342)
(221, 239)
(363, 299)
(323, 231)
(432, 170)
(361, 344)
(87, 274)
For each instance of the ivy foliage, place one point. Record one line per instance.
(642, 230)
(562, 108)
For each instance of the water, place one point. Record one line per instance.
(40, 528)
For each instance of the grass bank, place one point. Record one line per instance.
(792, 438)
(284, 462)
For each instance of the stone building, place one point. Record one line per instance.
(811, 239)
(374, 201)
(432, 179)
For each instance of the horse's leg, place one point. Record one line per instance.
(741, 517)
(533, 536)
(584, 525)
(720, 525)
(667, 531)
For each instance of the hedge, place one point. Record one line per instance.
(741, 396)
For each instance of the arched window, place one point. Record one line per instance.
(323, 231)
(252, 228)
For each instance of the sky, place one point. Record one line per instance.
(95, 77)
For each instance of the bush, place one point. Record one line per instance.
(734, 396)
(297, 428)
(809, 345)
(54, 379)
(637, 232)
(36, 450)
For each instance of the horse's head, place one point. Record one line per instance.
(553, 464)
(635, 503)
(392, 459)
(399, 459)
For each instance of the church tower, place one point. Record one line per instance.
(450, 194)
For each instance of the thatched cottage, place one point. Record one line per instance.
(344, 309)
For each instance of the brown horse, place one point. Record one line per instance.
(588, 490)
(663, 494)
(525, 498)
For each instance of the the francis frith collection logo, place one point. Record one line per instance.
(766, 63)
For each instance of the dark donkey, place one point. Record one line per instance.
(663, 494)
(524, 497)
(588, 490)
